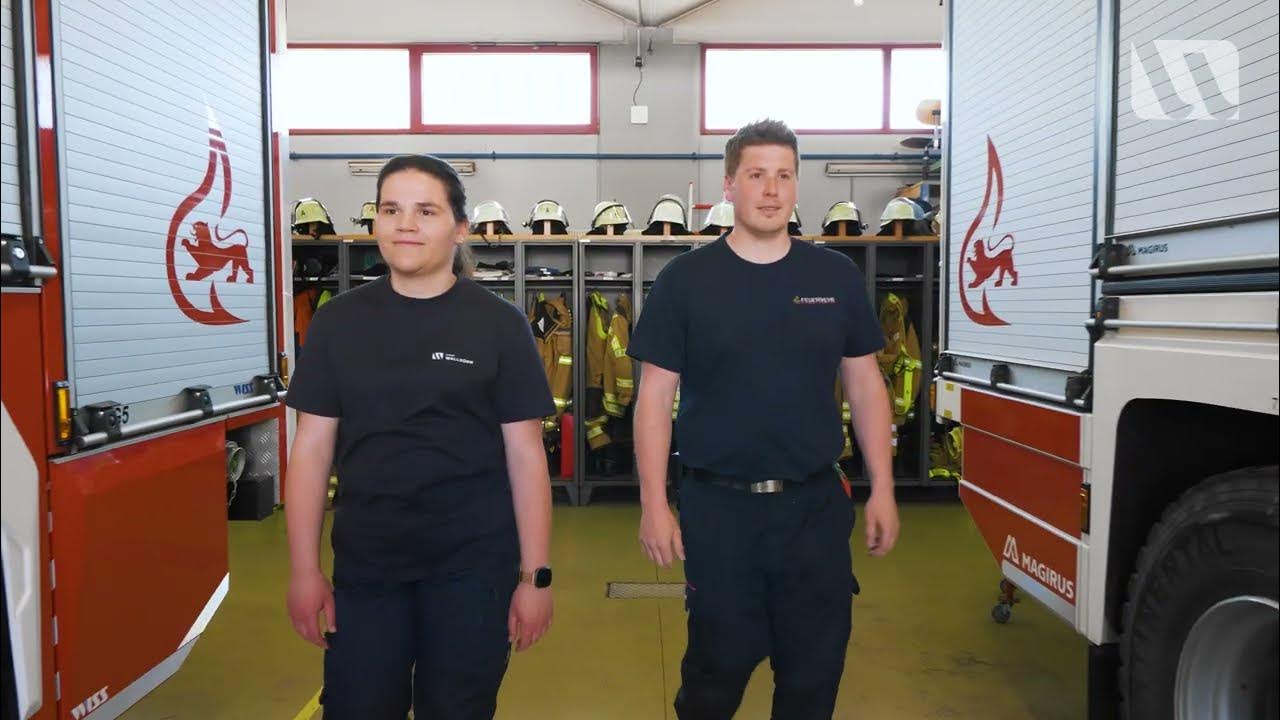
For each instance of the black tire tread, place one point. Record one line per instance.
(1212, 497)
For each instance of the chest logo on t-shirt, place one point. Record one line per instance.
(813, 300)
(450, 357)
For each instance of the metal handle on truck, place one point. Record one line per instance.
(1107, 324)
(98, 438)
(1015, 389)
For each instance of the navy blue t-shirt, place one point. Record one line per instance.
(757, 347)
(421, 388)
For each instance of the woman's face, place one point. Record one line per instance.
(415, 228)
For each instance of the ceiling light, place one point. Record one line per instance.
(371, 168)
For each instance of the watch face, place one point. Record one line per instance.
(542, 577)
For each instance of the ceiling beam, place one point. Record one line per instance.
(610, 11)
(686, 13)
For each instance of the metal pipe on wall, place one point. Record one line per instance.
(883, 157)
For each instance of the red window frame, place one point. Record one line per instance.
(886, 48)
(417, 127)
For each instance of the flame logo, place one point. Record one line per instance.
(982, 264)
(210, 257)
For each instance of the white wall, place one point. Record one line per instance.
(671, 90)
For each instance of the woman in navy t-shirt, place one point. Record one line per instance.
(427, 392)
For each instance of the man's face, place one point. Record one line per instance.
(763, 189)
(415, 229)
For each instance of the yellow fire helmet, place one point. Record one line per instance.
(842, 211)
(550, 212)
(310, 217)
(609, 212)
(670, 210)
(368, 211)
(719, 219)
(900, 208)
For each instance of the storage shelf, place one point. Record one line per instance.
(904, 264)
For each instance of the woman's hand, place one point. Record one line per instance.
(530, 616)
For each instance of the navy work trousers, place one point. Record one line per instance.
(438, 644)
(769, 575)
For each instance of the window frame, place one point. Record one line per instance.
(418, 127)
(885, 83)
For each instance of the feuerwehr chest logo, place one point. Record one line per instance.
(212, 250)
(987, 259)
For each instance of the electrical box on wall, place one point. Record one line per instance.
(639, 114)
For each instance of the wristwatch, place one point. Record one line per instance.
(539, 578)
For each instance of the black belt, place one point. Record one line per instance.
(769, 485)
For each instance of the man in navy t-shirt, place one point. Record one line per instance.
(753, 329)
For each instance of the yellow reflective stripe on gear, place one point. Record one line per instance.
(595, 432)
(566, 360)
(908, 383)
(624, 383)
(616, 346)
(561, 403)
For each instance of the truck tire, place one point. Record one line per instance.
(1200, 634)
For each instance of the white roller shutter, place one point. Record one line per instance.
(1022, 119)
(1197, 112)
(10, 176)
(162, 135)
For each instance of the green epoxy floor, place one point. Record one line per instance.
(923, 643)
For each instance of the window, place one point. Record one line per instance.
(506, 88)
(813, 89)
(916, 74)
(346, 88)
(441, 89)
(819, 89)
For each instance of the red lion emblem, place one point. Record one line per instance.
(985, 265)
(210, 256)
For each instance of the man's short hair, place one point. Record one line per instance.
(761, 132)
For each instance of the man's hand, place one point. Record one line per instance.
(660, 535)
(311, 595)
(882, 523)
(530, 615)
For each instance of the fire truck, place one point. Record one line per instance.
(145, 338)
(1109, 336)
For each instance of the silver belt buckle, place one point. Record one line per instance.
(767, 486)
